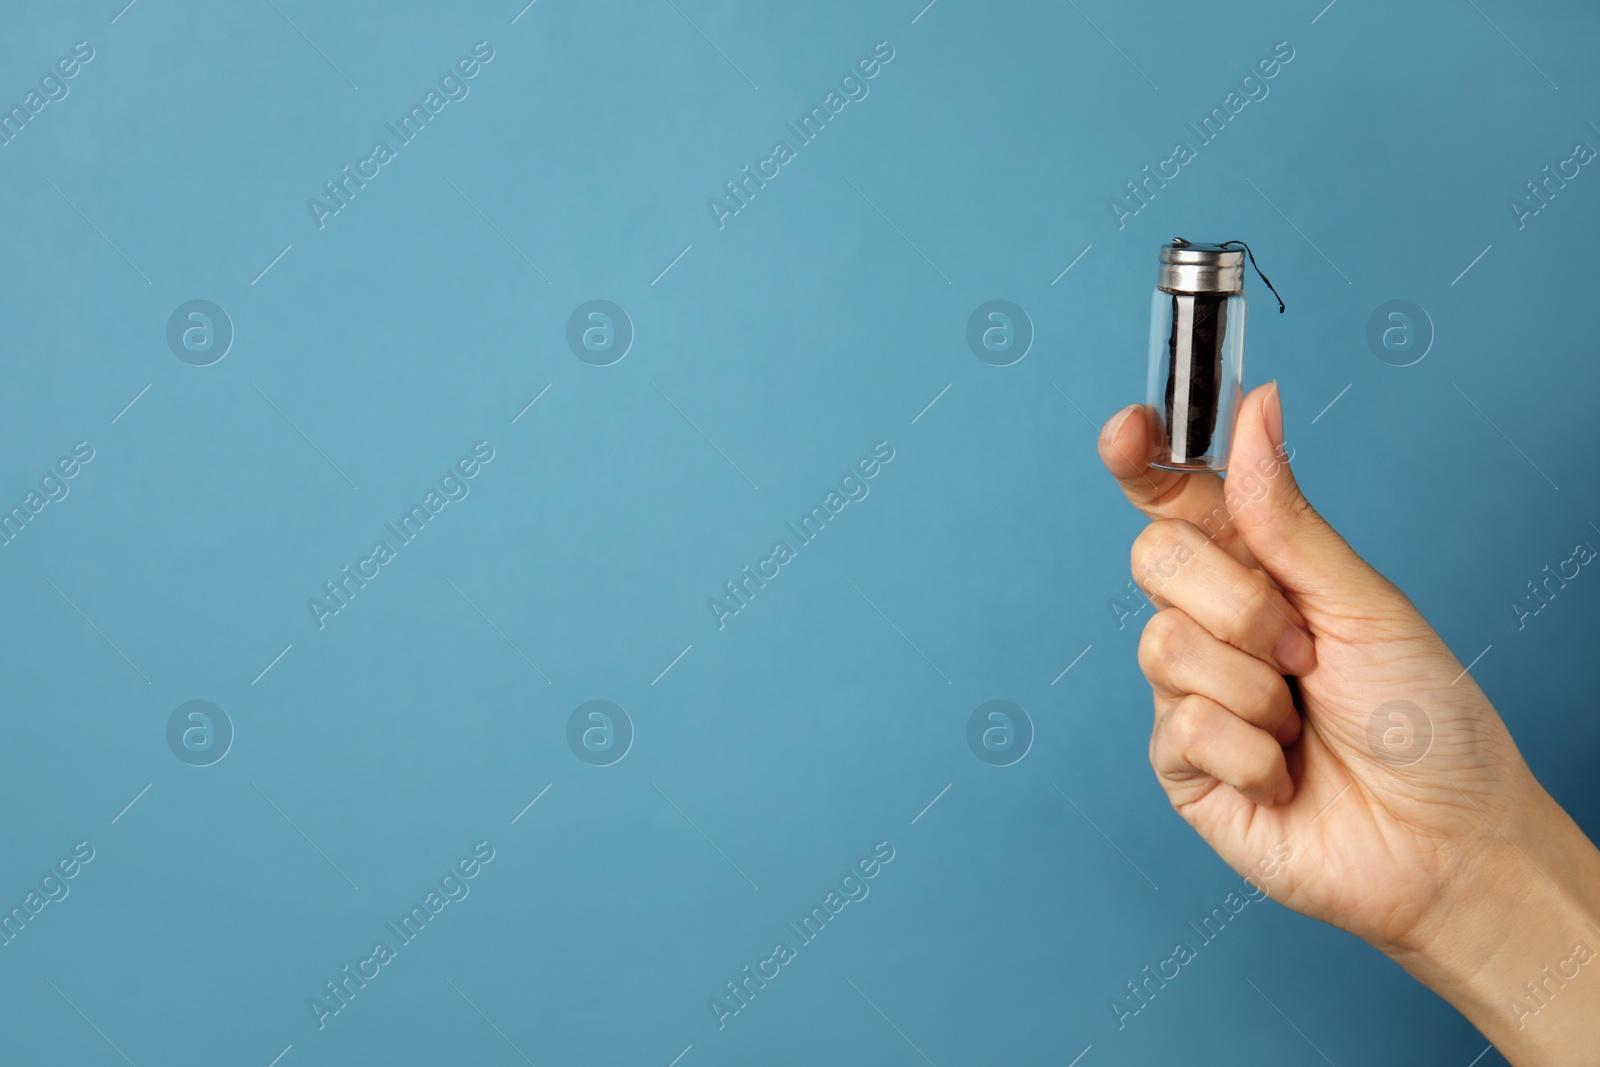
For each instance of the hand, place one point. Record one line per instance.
(1417, 825)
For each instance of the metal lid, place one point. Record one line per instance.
(1199, 268)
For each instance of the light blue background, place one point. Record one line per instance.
(822, 319)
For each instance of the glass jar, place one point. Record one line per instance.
(1196, 375)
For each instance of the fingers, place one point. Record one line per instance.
(1125, 449)
(1273, 518)
(1174, 563)
(1179, 657)
(1198, 738)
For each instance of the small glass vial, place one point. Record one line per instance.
(1196, 355)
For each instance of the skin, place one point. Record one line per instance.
(1272, 651)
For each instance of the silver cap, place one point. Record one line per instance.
(1199, 268)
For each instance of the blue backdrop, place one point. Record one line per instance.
(531, 297)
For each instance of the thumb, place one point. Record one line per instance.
(1295, 545)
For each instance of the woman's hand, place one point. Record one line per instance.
(1375, 787)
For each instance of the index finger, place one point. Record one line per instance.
(1125, 449)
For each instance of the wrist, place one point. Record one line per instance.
(1514, 943)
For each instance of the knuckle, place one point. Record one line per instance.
(1184, 725)
(1239, 625)
(1162, 547)
(1248, 622)
(1162, 644)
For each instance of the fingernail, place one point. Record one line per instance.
(1294, 652)
(1110, 432)
(1285, 792)
(1272, 414)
